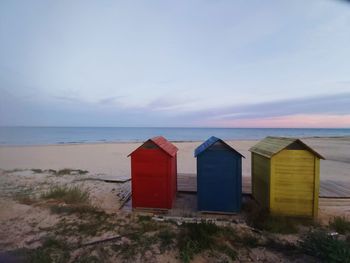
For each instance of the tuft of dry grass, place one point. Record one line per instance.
(69, 195)
(260, 218)
(25, 199)
(340, 224)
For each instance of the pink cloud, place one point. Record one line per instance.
(291, 121)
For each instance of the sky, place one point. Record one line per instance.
(209, 63)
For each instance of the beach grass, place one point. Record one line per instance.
(340, 224)
(260, 218)
(68, 195)
(325, 247)
(25, 199)
(195, 238)
(60, 172)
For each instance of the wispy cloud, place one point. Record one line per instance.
(110, 100)
(322, 104)
(67, 98)
(168, 104)
(288, 121)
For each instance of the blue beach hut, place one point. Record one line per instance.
(219, 176)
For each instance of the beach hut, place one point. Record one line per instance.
(219, 176)
(286, 176)
(154, 174)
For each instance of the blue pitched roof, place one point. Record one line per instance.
(205, 145)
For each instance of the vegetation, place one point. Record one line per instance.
(195, 238)
(143, 218)
(260, 218)
(73, 209)
(74, 199)
(25, 199)
(166, 238)
(52, 250)
(25, 196)
(230, 252)
(70, 171)
(89, 223)
(37, 171)
(60, 172)
(340, 224)
(323, 246)
(248, 240)
(68, 195)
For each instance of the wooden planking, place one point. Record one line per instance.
(334, 189)
(186, 182)
(331, 202)
(329, 189)
(246, 185)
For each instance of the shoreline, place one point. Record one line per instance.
(172, 141)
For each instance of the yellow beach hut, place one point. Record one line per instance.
(286, 176)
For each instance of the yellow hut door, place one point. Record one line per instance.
(292, 183)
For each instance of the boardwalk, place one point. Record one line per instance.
(334, 197)
(328, 188)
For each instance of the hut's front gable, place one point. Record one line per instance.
(219, 146)
(216, 145)
(158, 143)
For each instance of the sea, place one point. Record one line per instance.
(79, 135)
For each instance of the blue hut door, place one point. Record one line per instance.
(218, 181)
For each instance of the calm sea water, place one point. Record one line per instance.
(68, 135)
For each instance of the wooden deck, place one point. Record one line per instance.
(328, 188)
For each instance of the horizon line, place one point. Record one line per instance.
(170, 127)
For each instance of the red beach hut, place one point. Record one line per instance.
(154, 174)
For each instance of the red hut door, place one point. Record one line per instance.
(151, 179)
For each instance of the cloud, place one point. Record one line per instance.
(290, 121)
(338, 104)
(110, 100)
(67, 98)
(168, 104)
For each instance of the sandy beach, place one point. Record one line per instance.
(29, 171)
(111, 158)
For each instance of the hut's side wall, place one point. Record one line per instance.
(317, 186)
(172, 180)
(260, 179)
(292, 183)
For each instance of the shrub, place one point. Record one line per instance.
(340, 224)
(166, 238)
(195, 238)
(52, 250)
(143, 218)
(260, 218)
(323, 246)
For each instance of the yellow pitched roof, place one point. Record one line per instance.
(270, 146)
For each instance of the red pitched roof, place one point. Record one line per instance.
(162, 143)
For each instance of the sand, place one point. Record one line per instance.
(111, 158)
(23, 224)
